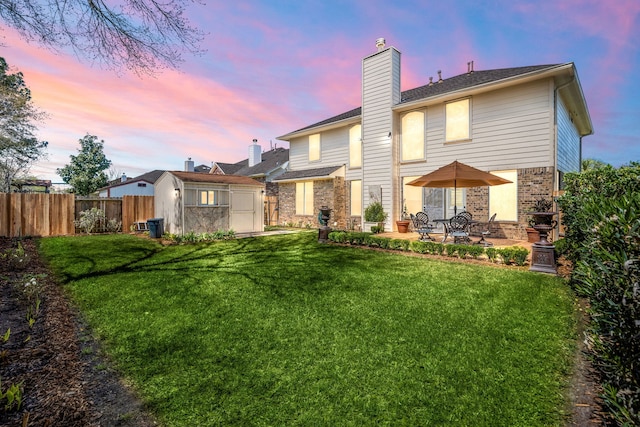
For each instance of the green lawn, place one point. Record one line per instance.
(282, 330)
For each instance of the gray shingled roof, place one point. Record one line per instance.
(150, 177)
(452, 84)
(308, 173)
(270, 160)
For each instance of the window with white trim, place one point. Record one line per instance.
(356, 197)
(213, 198)
(304, 198)
(314, 147)
(355, 146)
(413, 136)
(503, 199)
(457, 118)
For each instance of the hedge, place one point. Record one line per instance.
(514, 255)
(601, 215)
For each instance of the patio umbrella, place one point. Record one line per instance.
(456, 175)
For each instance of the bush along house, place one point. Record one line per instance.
(524, 124)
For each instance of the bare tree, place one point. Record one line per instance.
(141, 35)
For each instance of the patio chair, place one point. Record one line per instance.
(486, 232)
(459, 229)
(422, 226)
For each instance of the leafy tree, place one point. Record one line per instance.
(141, 35)
(589, 164)
(19, 148)
(86, 173)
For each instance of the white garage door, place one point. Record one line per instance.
(243, 211)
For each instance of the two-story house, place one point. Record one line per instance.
(525, 124)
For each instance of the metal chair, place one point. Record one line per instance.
(421, 225)
(459, 229)
(486, 232)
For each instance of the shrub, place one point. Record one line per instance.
(475, 251)
(399, 244)
(375, 213)
(419, 247)
(451, 250)
(377, 229)
(492, 254)
(601, 214)
(90, 220)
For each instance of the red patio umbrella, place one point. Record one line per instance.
(456, 175)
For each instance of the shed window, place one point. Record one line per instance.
(210, 198)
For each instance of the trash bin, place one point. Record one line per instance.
(156, 227)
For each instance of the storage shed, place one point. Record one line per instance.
(205, 203)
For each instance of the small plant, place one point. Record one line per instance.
(12, 396)
(375, 213)
(377, 229)
(542, 205)
(492, 254)
(90, 220)
(15, 258)
(6, 335)
(114, 226)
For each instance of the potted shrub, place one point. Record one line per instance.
(374, 215)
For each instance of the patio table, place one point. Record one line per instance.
(445, 226)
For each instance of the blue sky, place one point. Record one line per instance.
(273, 67)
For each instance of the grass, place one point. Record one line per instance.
(281, 330)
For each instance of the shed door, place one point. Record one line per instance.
(243, 211)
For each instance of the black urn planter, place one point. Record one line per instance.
(323, 219)
(543, 252)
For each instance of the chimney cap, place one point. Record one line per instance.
(380, 42)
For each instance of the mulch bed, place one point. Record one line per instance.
(67, 381)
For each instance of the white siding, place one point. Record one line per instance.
(568, 140)
(132, 189)
(511, 129)
(167, 204)
(380, 91)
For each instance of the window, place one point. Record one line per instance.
(212, 198)
(457, 120)
(304, 198)
(355, 146)
(503, 199)
(142, 184)
(413, 136)
(356, 198)
(411, 195)
(314, 147)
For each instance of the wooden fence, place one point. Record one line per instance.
(29, 214)
(32, 214)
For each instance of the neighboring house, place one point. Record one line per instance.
(525, 124)
(142, 185)
(264, 167)
(201, 202)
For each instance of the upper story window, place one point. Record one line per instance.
(355, 146)
(314, 147)
(142, 184)
(457, 120)
(413, 136)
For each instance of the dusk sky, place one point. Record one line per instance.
(274, 67)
